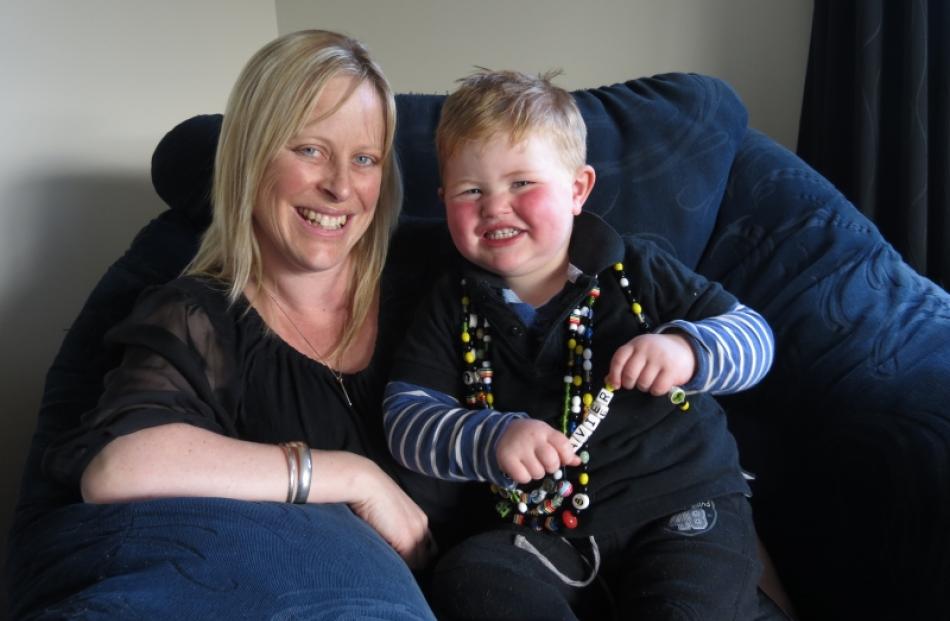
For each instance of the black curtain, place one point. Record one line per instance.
(876, 118)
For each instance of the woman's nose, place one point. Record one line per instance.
(337, 184)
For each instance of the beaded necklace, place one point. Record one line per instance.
(581, 412)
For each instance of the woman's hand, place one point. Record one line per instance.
(378, 500)
(530, 448)
(653, 363)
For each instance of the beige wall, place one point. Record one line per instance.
(758, 46)
(88, 90)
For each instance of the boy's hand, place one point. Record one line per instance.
(653, 363)
(530, 448)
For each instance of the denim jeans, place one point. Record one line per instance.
(698, 565)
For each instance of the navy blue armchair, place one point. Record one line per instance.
(849, 434)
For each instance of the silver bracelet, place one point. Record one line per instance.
(305, 470)
(294, 478)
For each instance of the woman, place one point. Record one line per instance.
(258, 375)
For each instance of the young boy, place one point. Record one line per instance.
(651, 497)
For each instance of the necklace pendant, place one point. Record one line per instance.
(346, 395)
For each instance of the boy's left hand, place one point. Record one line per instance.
(653, 363)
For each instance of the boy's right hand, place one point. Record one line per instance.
(530, 448)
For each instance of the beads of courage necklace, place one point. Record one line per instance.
(338, 376)
(581, 413)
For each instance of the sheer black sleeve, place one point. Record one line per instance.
(177, 367)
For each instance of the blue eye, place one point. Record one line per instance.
(364, 160)
(308, 151)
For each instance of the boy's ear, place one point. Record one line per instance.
(583, 184)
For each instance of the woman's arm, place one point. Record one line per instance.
(182, 460)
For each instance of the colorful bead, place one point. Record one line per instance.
(503, 508)
(685, 406)
(536, 496)
(581, 412)
(677, 395)
(569, 519)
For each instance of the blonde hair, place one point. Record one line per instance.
(488, 103)
(271, 101)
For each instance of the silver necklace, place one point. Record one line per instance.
(336, 374)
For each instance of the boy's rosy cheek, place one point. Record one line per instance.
(534, 196)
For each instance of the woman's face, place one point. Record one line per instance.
(323, 184)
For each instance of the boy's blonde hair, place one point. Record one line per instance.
(488, 103)
(271, 101)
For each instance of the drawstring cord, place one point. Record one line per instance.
(523, 544)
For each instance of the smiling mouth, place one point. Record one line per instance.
(322, 220)
(502, 234)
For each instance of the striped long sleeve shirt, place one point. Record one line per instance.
(430, 432)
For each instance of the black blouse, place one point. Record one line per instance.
(191, 357)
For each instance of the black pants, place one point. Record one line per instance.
(697, 565)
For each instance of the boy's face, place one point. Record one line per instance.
(511, 207)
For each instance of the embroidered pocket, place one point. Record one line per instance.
(698, 519)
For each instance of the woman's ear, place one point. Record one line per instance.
(441, 194)
(583, 184)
